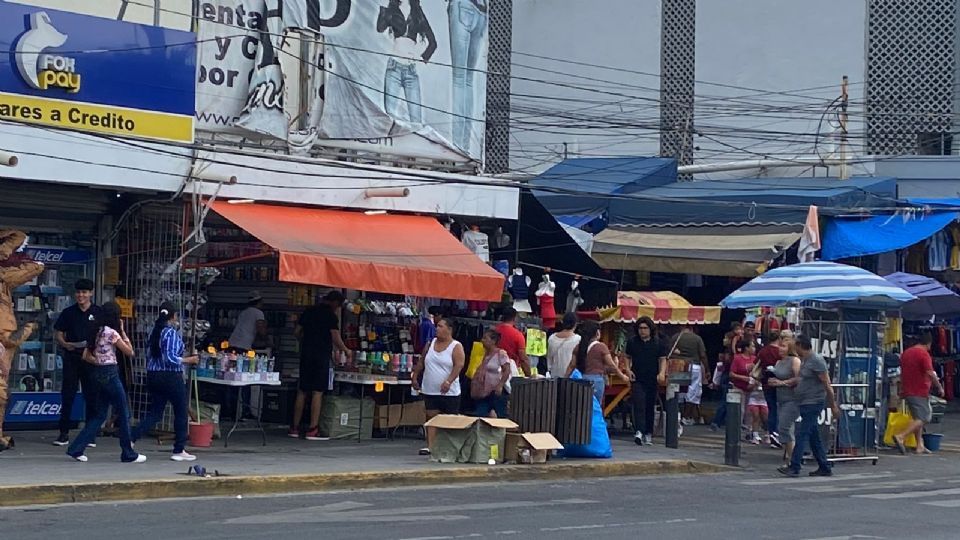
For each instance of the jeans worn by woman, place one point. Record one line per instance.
(109, 392)
(166, 386)
(599, 385)
(809, 429)
(493, 402)
(401, 86)
(468, 28)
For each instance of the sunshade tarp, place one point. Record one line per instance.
(933, 298)
(754, 201)
(719, 251)
(664, 307)
(844, 238)
(388, 253)
(591, 179)
(818, 281)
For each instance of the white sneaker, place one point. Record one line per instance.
(91, 445)
(648, 440)
(81, 458)
(686, 421)
(140, 459)
(638, 438)
(183, 456)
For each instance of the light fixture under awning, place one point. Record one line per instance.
(389, 253)
(734, 251)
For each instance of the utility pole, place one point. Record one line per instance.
(844, 101)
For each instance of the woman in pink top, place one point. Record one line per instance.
(107, 338)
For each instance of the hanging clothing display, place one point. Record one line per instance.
(574, 300)
(478, 243)
(519, 288)
(548, 312)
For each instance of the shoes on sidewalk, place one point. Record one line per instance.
(62, 440)
(293, 433)
(822, 472)
(788, 472)
(139, 459)
(313, 434)
(424, 451)
(79, 457)
(638, 438)
(91, 445)
(648, 439)
(183, 456)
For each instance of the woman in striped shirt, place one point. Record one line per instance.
(165, 362)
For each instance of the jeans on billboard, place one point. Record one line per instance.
(401, 86)
(468, 28)
(109, 392)
(809, 429)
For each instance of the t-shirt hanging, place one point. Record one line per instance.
(478, 243)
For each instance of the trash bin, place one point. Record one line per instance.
(574, 420)
(533, 404)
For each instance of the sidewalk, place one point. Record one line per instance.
(36, 472)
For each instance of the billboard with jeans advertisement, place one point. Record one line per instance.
(404, 77)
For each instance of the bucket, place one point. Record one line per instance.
(201, 434)
(932, 441)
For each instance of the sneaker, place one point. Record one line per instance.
(714, 428)
(293, 433)
(822, 472)
(686, 421)
(648, 439)
(183, 456)
(314, 435)
(775, 441)
(424, 451)
(638, 438)
(140, 459)
(91, 445)
(81, 458)
(788, 472)
(62, 440)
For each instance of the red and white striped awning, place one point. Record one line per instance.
(664, 307)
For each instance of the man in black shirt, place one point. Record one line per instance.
(319, 334)
(73, 328)
(648, 368)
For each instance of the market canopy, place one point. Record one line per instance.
(664, 307)
(576, 191)
(933, 299)
(388, 253)
(752, 201)
(737, 251)
(845, 238)
(818, 281)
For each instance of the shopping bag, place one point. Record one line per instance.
(599, 446)
(897, 422)
(476, 358)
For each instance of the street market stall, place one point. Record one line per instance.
(617, 327)
(843, 314)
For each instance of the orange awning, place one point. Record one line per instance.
(382, 253)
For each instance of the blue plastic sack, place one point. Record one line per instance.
(599, 446)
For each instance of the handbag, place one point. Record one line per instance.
(897, 422)
(678, 369)
(479, 381)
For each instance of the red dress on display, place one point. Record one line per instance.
(548, 312)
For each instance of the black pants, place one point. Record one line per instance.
(76, 372)
(644, 398)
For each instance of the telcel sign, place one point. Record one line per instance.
(99, 75)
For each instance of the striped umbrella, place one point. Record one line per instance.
(817, 281)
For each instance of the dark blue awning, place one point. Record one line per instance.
(845, 238)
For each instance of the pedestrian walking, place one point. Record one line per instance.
(593, 359)
(440, 365)
(560, 346)
(165, 361)
(917, 377)
(648, 369)
(813, 392)
(767, 358)
(785, 371)
(72, 327)
(106, 338)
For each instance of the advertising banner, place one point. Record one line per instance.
(405, 77)
(40, 407)
(98, 75)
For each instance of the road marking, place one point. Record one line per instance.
(853, 537)
(909, 494)
(351, 511)
(944, 504)
(864, 487)
(616, 525)
(818, 479)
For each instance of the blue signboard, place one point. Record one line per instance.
(95, 74)
(39, 407)
(54, 256)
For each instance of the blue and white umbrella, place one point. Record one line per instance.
(817, 281)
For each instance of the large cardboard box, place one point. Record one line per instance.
(537, 445)
(467, 439)
(408, 414)
(342, 417)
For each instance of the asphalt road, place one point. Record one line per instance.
(901, 498)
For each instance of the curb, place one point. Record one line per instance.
(28, 495)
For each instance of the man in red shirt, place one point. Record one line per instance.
(512, 341)
(917, 377)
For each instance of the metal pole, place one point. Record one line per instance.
(672, 410)
(732, 443)
(844, 102)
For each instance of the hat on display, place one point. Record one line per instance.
(254, 296)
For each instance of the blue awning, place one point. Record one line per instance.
(844, 238)
(950, 203)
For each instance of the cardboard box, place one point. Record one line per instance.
(467, 439)
(537, 446)
(409, 414)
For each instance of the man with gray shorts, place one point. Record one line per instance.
(917, 378)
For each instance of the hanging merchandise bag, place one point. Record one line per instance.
(536, 342)
(599, 446)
